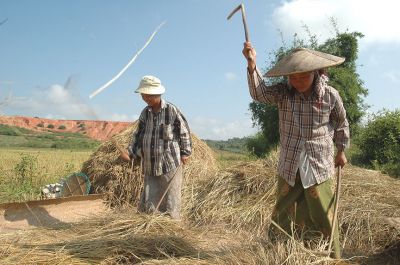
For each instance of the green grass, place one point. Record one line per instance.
(30, 160)
(24, 171)
(15, 137)
(227, 159)
(236, 145)
(14, 131)
(11, 140)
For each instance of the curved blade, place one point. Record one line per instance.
(234, 11)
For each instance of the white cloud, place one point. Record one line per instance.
(122, 117)
(230, 76)
(377, 20)
(55, 102)
(51, 116)
(213, 129)
(58, 95)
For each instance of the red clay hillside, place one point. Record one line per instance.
(99, 130)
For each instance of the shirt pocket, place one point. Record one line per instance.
(321, 113)
(166, 132)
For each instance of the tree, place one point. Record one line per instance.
(343, 77)
(266, 117)
(379, 142)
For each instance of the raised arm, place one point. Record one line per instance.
(258, 90)
(250, 54)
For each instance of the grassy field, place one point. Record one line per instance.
(24, 170)
(226, 159)
(15, 137)
(32, 159)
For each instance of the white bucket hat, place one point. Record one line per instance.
(150, 85)
(303, 60)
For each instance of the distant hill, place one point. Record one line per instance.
(98, 130)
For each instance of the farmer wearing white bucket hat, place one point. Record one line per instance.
(163, 142)
(311, 120)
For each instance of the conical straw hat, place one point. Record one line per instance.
(303, 60)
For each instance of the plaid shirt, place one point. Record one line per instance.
(161, 139)
(315, 123)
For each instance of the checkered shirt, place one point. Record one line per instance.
(315, 123)
(161, 139)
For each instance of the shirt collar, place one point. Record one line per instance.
(163, 105)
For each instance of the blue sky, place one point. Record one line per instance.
(54, 54)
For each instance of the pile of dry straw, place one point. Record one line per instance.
(123, 182)
(226, 214)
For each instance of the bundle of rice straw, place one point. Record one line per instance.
(113, 238)
(128, 237)
(121, 182)
(369, 200)
(241, 197)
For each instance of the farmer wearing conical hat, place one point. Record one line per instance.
(312, 120)
(163, 142)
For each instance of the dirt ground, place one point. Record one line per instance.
(49, 213)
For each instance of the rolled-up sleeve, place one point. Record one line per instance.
(260, 92)
(341, 135)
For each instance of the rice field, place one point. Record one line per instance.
(24, 171)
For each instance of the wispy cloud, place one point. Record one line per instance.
(122, 117)
(377, 20)
(214, 129)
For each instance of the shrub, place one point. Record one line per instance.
(82, 127)
(62, 127)
(40, 124)
(258, 145)
(50, 126)
(7, 130)
(26, 171)
(379, 142)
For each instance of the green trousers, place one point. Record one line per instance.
(310, 210)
